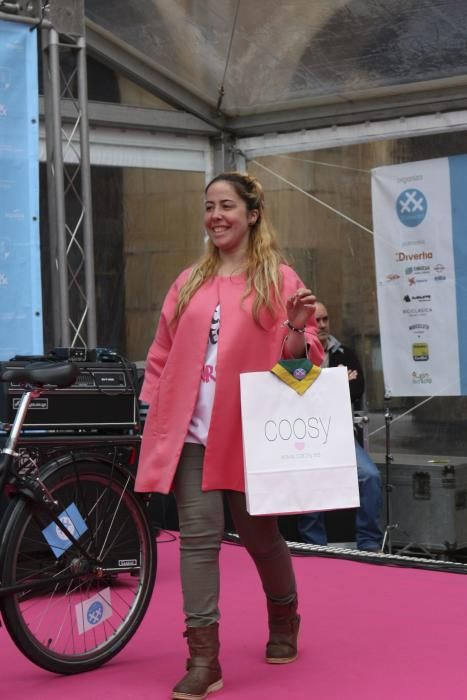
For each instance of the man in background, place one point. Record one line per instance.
(311, 526)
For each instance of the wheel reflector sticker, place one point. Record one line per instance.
(93, 611)
(56, 538)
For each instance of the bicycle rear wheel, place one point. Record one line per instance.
(79, 607)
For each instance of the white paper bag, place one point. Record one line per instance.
(299, 451)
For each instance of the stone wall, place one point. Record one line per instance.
(163, 234)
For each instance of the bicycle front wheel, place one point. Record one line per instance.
(76, 605)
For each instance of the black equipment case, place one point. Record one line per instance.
(428, 501)
(102, 398)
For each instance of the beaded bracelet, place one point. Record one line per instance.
(292, 328)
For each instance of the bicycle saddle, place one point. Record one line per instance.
(59, 374)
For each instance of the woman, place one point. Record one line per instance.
(234, 311)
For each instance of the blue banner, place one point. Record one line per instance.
(21, 328)
(458, 172)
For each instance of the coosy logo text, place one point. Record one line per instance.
(313, 427)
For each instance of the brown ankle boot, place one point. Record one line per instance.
(204, 672)
(283, 632)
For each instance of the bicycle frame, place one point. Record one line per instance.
(29, 488)
(78, 555)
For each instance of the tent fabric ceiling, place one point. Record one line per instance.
(295, 53)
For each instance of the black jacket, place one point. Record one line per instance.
(342, 355)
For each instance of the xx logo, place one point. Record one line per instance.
(411, 207)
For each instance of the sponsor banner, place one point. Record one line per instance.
(20, 280)
(420, 218)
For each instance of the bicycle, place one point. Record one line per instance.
(77, 553)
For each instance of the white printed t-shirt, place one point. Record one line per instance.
(201, 418)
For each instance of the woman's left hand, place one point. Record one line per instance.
(300, 307)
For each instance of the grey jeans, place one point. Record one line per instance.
(201, 521)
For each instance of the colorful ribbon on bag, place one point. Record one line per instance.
(298, 374)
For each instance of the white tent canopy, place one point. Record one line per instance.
(259, 66)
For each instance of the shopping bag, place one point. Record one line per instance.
(299, 449)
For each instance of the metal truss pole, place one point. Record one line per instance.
(223, 153)
(88, 236)
(56, 190)
(69, 176)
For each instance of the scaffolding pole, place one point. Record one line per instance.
(69, 178)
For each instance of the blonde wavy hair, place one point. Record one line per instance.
(264, 255)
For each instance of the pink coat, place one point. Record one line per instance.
(173, 374)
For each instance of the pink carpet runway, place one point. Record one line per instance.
(367, 632)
